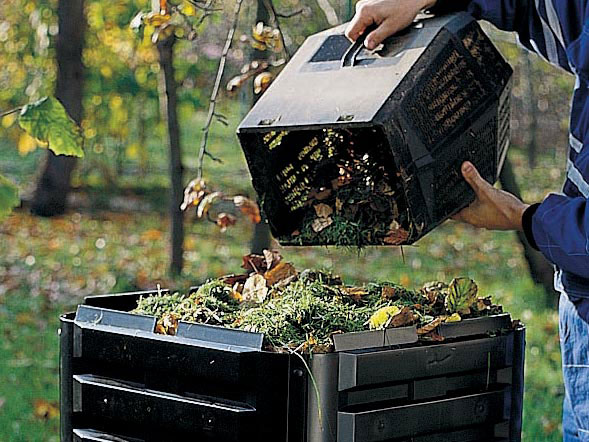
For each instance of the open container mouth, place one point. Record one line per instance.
(329, 186)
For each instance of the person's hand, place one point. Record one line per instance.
(492, 209)
(390, 16)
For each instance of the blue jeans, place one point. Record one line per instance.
(574, 345)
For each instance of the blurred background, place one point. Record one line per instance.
(113, 232)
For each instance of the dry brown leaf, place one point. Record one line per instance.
(254, 263)
(248, 207)
(272, 258)
(320, 194)
(338, 205)
(169, 322)
(356, 293)
(44, 409)
(396, 234)
(262, 81)
(255, 289)
(431, 326)
(234, 279)
(403, 318)
(206, 203)
(388, 292)
(321, 223)
(279, 273)
(225, 220)
(323, 210)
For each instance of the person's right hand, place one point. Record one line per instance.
(390, 16)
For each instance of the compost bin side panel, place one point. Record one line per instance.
(517, 389)
(65, 377)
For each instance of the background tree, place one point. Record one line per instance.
(53, 185)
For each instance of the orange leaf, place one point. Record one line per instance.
(225, 220)
(43, 409)
(249, 208)
(279, 273)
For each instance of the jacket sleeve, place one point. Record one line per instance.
(561, 231)
(547, 27)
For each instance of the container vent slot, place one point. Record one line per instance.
(333, 49)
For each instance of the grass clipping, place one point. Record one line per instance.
(302, 311)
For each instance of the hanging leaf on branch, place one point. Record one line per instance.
(47, 124)
(48, 121)
(198, 195)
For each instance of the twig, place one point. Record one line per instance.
(274, 17)
(290, 14)
(207, 7)
(213, 101)
(11, 111)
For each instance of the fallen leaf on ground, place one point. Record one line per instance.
(254, 263)
(272, 257)
(388, 292)
(356, 292)
(396, 234)
(403, 318)
(279, 273)
(255, 289)
(323, 210)
(382, 316)
(44, 409)
(429, 327)
(455, 317)
(321, 223)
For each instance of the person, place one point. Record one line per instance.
(558, 30)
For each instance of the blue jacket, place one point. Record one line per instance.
(558, 30)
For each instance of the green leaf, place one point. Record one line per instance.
(48, 121)
(8, 197)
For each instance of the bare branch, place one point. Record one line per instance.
(276, 22)
(11, 111)
(290, 14)
(215, 93)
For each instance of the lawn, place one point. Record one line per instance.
(48, 265)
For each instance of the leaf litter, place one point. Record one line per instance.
(301, 311)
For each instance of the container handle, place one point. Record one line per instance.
(350, 56)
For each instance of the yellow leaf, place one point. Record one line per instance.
(455, 317)
(381, 317)
(8, 120)
(188, 9)
(262, 81)
(132, 150)
(26, 144)
(43, 409)
(151, 235)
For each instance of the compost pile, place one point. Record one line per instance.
(353, 197)
(302, 311)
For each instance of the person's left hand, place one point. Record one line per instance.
(492, 209)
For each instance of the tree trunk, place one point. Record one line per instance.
(169, 100)
(53, 185)
(541, 270)
(261, 239)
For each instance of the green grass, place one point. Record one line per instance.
(48, 265)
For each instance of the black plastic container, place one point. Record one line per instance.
(119, 381)
(431, 98)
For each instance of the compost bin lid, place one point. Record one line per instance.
(316, 88)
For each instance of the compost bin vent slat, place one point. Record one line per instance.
(378, 136)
